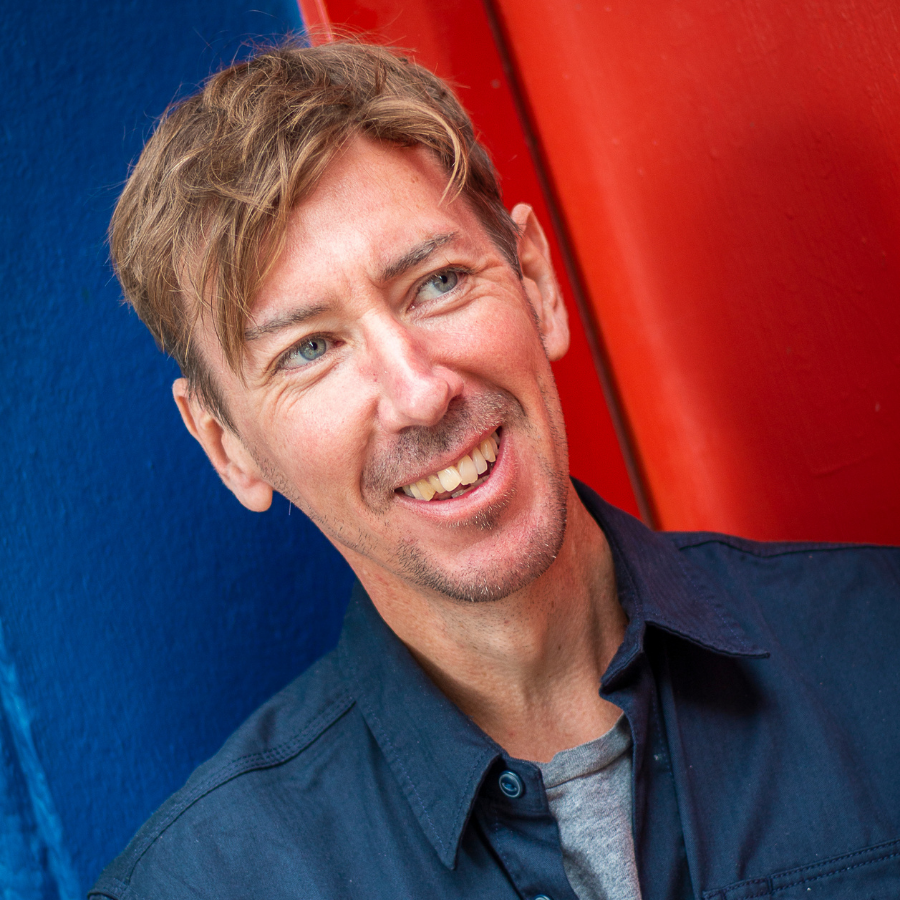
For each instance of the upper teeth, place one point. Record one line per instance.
(465, 471)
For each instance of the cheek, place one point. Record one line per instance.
(511, 343)
(317, 436)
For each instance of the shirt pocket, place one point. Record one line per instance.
(870, 874)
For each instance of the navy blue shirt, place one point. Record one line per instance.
(761, 685)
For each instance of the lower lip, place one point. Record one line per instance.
(494, 484)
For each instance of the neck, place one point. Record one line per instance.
(525, 668)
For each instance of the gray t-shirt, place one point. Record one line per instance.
(589, 790)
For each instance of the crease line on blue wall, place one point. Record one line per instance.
(34, 863)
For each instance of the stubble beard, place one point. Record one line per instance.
(484, 583)
(499, 578)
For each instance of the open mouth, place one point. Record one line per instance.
(464, 475)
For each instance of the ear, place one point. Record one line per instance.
(540, 282)
(226, 451)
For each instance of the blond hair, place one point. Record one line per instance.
(203, 214)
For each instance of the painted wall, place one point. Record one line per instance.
(143, 612)
(729, 179)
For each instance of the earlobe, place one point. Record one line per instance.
(540, 282)
(227, 453)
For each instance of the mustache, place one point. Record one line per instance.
(415, 447)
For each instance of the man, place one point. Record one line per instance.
(534, 696)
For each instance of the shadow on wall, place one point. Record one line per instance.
(143, 612)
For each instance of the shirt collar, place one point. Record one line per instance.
(658, 586)
(437, 754)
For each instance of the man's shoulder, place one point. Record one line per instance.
(281, 728)
(688, 540)
(776, 564)
(817, 600)
(271, 745)
(744, 568)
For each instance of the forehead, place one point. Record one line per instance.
(373, 202)
(373, 179)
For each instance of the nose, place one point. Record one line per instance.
(415, 387)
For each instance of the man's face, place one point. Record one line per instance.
(390, 349)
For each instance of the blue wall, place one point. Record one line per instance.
(143, 612)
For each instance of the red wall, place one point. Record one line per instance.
(726, 176)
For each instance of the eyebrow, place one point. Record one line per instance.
(394, 269)
(416, 255)
(288, 320)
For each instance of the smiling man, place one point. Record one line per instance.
(534, 695)
(399, 310)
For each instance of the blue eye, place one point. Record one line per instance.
(308, 350)
(441, 282)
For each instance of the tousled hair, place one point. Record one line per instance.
(203, 215)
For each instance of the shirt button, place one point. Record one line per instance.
(512, 786)
(542, 897)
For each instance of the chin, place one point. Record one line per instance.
(499, 574)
